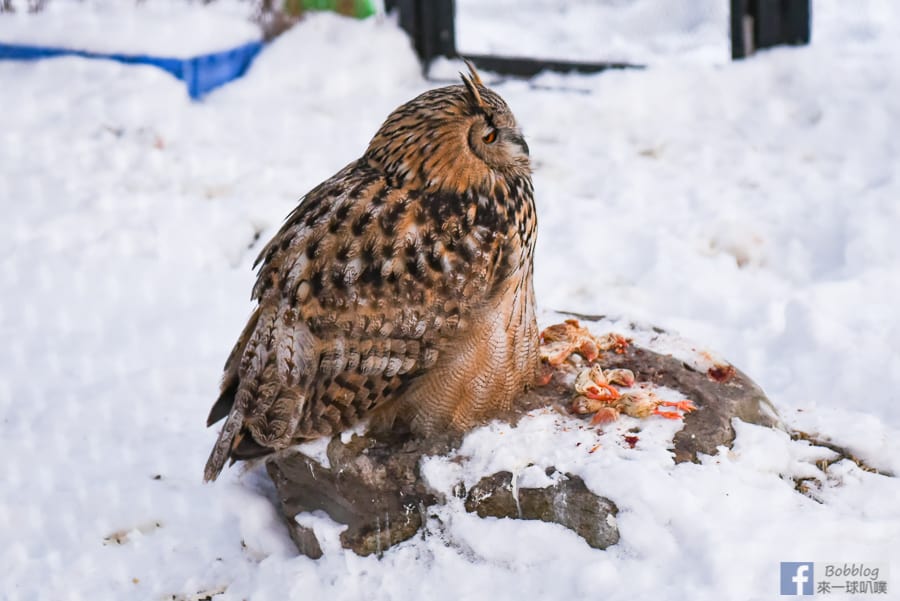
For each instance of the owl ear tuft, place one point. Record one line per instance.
(473, 82)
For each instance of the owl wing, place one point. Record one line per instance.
(358, 292)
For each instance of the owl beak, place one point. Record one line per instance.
(519, 141)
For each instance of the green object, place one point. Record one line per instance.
(353, 8)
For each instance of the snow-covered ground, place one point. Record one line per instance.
(169, 28)
(637, 32)
(753, 207)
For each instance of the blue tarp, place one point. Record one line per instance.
(200, 73)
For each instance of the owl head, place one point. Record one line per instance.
(456, 138)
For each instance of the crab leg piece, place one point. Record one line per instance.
(622, 377)
(594, 392)
(605, 415)
(556, 353)
(593, 384)
(686, 405)
(667, 414)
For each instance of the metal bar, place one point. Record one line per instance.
(799, 22)
(768, 30)
(739, 41)
(759, 24)
(529, 67)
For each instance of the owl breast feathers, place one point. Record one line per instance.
(398, 289)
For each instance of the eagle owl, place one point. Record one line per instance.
(398, 289)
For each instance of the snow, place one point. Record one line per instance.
(636, 32)
(168, 28)
(749, 207)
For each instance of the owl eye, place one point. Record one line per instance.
(490, 137)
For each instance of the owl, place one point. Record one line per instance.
(398, 291)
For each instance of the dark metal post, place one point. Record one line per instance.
(430, 26)
(759, 24)
(741, 43)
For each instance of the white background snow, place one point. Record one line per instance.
(753, 207)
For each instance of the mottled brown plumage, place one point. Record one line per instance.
(400, 288)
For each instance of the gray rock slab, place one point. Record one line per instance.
(374, 486)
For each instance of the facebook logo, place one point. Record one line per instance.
(796, 578)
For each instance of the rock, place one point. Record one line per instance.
(568, 503)
(374, 486)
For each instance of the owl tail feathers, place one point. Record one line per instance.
(222, 449)
(223, 404)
